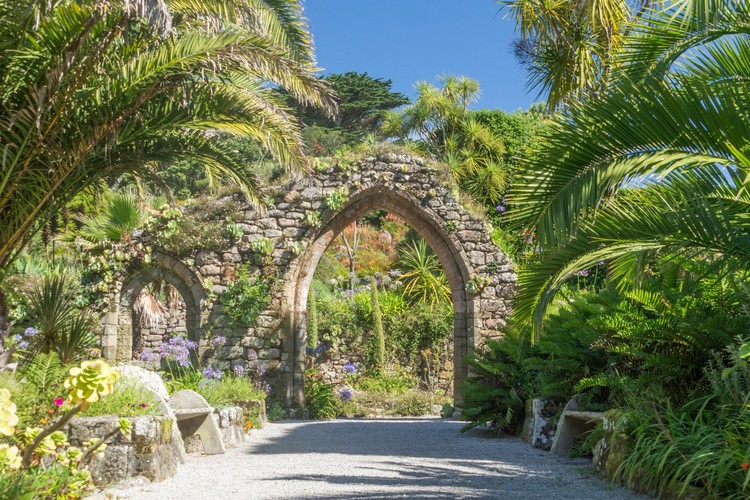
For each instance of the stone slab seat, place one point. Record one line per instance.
(193, 415)
(573, 423)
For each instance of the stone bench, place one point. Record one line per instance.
(572, 425)
(194, 418)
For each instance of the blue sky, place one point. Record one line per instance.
(411, 40)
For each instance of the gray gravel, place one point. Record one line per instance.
(381, 458)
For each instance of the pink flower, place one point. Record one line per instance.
(143, 405)
(59, 401)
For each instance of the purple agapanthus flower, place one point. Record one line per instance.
(583, 272)
(500, 208)
(23, 345)
(219, 341)
(30, 332)
(149, 356)
(178, 350)
(349, 368)
(346, 393)
(238, 370)
(212, 373)
(17, 338)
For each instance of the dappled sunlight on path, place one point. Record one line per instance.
(380, 458)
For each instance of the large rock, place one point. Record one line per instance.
(151, 450)
(147, 378)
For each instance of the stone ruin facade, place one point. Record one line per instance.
(307, 215)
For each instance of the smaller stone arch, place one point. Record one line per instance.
(117, 339)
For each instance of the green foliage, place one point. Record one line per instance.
(121, 215)
(339, 325)
(697, 445)
(362, 100)
(409, 403)
(245, 298)
(423, 277)
(496, 389)
(56, 481)
(230, 389)
(336, 199)
(128, 399)
(63, 327)
(320, 397)
(312, 322)
(387, 382)
(275, 412)
(377, 326)
(45, 373)
(439, 118)
(203, 224)
(640, 168)
(117, 108)
(262, 249)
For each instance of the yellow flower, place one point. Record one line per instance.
(8, 417)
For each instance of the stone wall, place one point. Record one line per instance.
(305, 218)
(151, 450)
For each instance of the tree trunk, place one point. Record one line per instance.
(5, 325)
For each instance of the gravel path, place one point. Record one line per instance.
(383, 458)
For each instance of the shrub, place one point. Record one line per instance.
(320, 399)
(245, 298)
(409, 403)
(230, 389)
(128, 399)
(495, 392)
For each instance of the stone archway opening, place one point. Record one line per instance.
(415, 299)
(455, 263)
(173, 299)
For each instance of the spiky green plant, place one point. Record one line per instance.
(63, 328)
(424, 279)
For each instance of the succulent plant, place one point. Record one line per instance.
(8, 417)
(90, 381)
(10, 457)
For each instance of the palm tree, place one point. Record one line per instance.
(440, 120)
(658, 163)
(91, 90)
(567, 45)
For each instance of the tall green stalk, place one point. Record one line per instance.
(377, 324)
(312, 322)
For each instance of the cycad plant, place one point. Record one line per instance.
(656, 163)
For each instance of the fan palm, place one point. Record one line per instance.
(658, 163)
(90, 90)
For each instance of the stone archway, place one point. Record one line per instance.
(451, 255)
(117, 340)
(305, 217)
